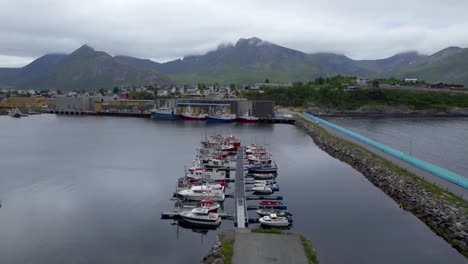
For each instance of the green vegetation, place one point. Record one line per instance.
(439, 192)
(327, 92)
(267, 231)
(227, 248)
(309, 251)
(141, 95)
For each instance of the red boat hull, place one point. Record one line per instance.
(248, 120)
(187, 117)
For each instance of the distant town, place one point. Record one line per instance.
(232, 99)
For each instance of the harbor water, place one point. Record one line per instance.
(89, 189)
(441, 141)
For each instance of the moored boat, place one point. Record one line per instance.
(206, 203)
(262, 176)
(189, 115)
(262, 189)
(274, 220)
(201, 216)
(199, 193)
(270, 168)
(249, 119)
(164, 113)
(264, 212)
(221, 117)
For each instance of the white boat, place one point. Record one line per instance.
(264, 176)
(263, 189)
(264, 212)
(206, 203)
(201, 216)
(197, 193)
(273, 220)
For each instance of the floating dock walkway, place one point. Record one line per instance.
(241, 209)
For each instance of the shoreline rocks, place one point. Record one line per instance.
(447, 219)
(215, 255)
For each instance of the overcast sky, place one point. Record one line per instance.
(168, 29)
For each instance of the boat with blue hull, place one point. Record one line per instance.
(220, 118)
(164, 113)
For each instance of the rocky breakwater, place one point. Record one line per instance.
(216, 256)
(443, 212)
(383, 110)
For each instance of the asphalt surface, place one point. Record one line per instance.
(442, 183)
(258, 248)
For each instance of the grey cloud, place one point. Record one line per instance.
(169, 29)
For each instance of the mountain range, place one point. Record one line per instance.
(247, 61)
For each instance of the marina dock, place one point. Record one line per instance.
(241, 209)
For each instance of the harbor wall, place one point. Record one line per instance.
(441, 211)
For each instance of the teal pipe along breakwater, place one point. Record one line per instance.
(436, 170)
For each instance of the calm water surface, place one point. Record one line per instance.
(442, 141)
(91, 190)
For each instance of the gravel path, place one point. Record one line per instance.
(258, 248)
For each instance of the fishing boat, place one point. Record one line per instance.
(274, 220)
(189, 115)
(201, 216)
(221, 117)
(198, 193)
(249, 119)
(164, 113)
(15, 112)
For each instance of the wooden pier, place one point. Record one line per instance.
(241, 209)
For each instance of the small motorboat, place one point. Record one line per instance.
(201, 216)
(263, 169)
(263, 176)
(272, 205)
(264, 189)
(206, 203)
(198, 193)
(272, 186)
(274, 220)
(263, 212)
(265, 181)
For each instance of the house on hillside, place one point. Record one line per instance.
(361, 81)
(411, 80)
(345, 87)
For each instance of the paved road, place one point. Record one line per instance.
(256, 248)
(456, 189)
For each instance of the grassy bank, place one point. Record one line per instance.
(227, 249)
